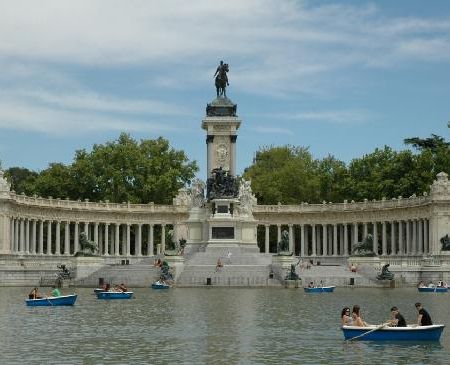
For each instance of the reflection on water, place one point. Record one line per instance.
(212, 326)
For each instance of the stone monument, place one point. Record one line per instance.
(223, 217)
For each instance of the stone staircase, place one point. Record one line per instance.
(337, 275)
(140, 274)
(241, 269)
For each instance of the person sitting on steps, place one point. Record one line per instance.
(219, 264)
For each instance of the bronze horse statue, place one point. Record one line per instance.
(222, 80)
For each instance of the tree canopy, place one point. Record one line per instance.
(290, 175)
(124, 170)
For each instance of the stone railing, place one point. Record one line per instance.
(23, 200)
(345, 206)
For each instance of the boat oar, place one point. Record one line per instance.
(366, 333)
(48, 300)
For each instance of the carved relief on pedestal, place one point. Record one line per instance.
(222, 152)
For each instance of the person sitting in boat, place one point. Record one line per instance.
(356, 317)
(345, 317)
(441, 284)
(158, 263)
(122, 288)
(423, 319)
(311, 284)
(107, 287)
(55, 292)
(397, 319)
(421, 285)
(34, 294)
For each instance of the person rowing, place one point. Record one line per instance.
(34, 294)
(397, 319)
(356, 317)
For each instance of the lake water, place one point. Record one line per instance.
(213, 326)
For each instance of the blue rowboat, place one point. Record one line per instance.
(426, 289)
(159, 285)
(320, 289)
(52, 301)
(410, 333)
(114, 295)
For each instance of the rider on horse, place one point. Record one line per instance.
(221, 78)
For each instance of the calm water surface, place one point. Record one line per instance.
(213, 326)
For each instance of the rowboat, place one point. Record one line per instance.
(159, 285)
(320, 289)
(52, 301)
(114, 295)
(426, 289)
(409, 333)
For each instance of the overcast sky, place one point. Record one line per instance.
(340, 77)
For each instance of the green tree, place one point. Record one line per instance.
(21, 179)
(435, 150)
(120, 171)
(286, 174)
(332, 176)
(55, 181)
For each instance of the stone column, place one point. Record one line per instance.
(209, 153)
(124, 241)
(138, 248)
(393, 241)
(266, 238)
(16, 235)
(324, 239)
(345, 239)
(313, 243)
(414, 237)
(335, 239)
(233, 155)
(364, 230)
(100, 239)
(278, 233)
(150, 248)
(383, 239)
(27, 236)
(375, 237)
(355, 235)
(163, 238)
(86, 229)
(303, 253)
(341, 240)
(96, 234)
(49, 237)
(426, 247)
(401, 246)
(117, 237)
(33, 237)
(408, 238)
(128, 253)
(66, 238)
(291, 239)
(11, 234)
(41, 237)
(76, 238)
(106, 239)
(58, 238)
(22, 236)
(420, 240)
